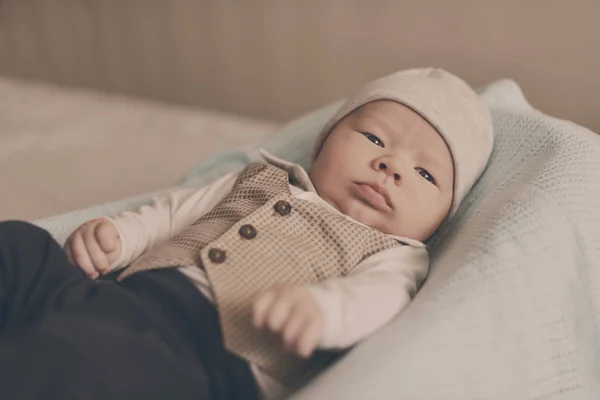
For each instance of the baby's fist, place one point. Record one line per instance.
(292, 313)
(94, 246)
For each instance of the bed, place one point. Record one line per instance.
(511, 307)
(63, 149)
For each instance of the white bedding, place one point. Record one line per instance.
(63, 149)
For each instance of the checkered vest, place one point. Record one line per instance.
(258, 236)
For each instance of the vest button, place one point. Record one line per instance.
(216, 255)
(248, 232)
(282, 207)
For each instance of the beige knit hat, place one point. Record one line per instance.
(448, 104)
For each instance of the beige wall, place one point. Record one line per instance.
(277, 58)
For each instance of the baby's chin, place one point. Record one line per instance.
(369, 217)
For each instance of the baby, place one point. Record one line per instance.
(245, 288)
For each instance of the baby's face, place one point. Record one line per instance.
(387, 167)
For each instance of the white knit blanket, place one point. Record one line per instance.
(511, 308)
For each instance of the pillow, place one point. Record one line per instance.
(511, 306)
(293, 142)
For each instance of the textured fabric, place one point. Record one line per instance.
(447, 103)
(286, 240)
(182, 249)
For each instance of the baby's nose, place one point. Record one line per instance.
(390, 168)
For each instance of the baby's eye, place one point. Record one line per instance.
(426, 175)
(373, 139)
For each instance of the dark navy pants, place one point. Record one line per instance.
(65, 336)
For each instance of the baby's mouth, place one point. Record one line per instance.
(373, 195)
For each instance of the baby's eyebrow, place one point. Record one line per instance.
(389, 129)
(429, 160)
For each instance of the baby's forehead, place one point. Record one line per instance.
(390, 109)
(393, 115)
(381, 106)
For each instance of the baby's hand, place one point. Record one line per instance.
(93, 247)
(293, 314)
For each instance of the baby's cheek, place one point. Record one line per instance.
(374, 219)
(393, 225)
(357, 212)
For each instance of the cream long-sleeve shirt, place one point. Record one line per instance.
(353, 306)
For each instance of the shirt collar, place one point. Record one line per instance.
(296, 172)
(299, 175)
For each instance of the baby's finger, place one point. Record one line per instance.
(82, 259)
(308, 339)
(279, 313)
(261, 308)
(97, 256)
(109, 240)
(107, 236)
(292, 329)
(68, 251)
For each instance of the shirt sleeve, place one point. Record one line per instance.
(357, 305)
(165, 217)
